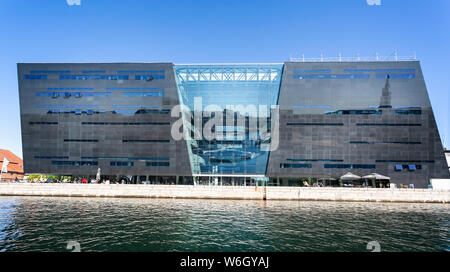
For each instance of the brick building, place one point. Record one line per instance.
(15, 166)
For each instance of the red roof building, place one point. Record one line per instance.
(15, 166)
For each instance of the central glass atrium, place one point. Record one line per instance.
(239, 92)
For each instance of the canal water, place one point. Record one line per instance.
(120, 224)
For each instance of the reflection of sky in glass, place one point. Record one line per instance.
(229, 85)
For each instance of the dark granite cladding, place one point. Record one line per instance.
(360, 117)
(91, 123)
(377, 102)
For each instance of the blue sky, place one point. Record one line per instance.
(208, 31)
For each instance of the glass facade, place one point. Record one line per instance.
(238, 92)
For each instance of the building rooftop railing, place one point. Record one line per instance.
(357, 58)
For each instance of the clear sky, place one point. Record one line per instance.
(209, 31)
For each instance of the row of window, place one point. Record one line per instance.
(135, 106)
(384, 76)
(146, 141)
(135, 89)
(313, 71)
(70, 89)
(148, 77)
(118, 163)
(389, 125)
(98, 77)
(51, 157)
(409, 143)
(351, 76)
(331, 76)
(378, 70)
(107, 158)
(311, 106)
(113, 163)
(314, 160)
(350, 166)
(109, 123)
(75, 163)
(410, 167)
(126, 111)
(126, 123)
(140, 71)
(72, 94)
(143, 94)
(408, 112)
(340, 166)
(77, 112)
(43, 123)
(360, 112)
(398, 167)
(164, 164)
(315, 124)
(125, 141)
(407, 161)
(94, 71)
(81, 140)
(95, 77)
(126, 158)
(35, 76)
(67, 106)
(49, 71)
(158, 164)
(356, 112)
(295, 165)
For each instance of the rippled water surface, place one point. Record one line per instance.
(109, 224)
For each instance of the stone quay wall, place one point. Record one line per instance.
(226, 192)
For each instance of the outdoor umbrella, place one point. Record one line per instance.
(325, 179)
(350, 176)
(376, 176)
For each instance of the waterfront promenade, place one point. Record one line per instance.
(226, 192)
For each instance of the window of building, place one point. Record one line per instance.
(408, 112)
(165, 164)
(384, 76)
(351, 166)
(356, 112)
(119, 163)
(35, 77)
(75, 163)
(144, 94)
(43, 123)
(81, 140)
(295, 165)
(315, 124)
(331, 76)
(314, 160)
(146, 141)
(125, 123)
(389, 125)
(93, 77)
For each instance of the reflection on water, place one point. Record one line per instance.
(107, 224)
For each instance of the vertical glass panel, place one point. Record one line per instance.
(236, 149)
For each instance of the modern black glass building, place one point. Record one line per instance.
(279, 122)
